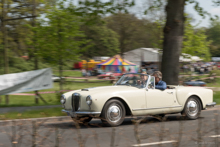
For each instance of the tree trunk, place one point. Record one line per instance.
(34, 48)
(5, 47)
(173, 36)
(61, 74)
(60, 57)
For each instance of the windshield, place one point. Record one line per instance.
(136, 80)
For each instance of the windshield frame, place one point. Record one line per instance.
(146, 87)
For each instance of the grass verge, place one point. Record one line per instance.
(216, 97)
(48, 112)
(69, 73)
(50, 98)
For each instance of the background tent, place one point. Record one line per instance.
(118, 65)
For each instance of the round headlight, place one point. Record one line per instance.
(89, 100)
(62, 99)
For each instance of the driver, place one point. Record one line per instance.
(143, 80)
(158, 81)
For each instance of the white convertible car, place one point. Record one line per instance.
(128, 97)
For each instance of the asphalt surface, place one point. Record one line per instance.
(175, 131)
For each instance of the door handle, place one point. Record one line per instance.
(170, 92)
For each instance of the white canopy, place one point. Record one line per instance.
(189, 58)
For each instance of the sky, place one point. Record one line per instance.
(198, 20)
(207, 5)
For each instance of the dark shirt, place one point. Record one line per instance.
(161, 85)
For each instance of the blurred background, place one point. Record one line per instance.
(92, 43)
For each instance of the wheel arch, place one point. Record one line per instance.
(194, 95)
(127, 108)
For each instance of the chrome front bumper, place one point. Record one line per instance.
(81, 113)
(209, 105)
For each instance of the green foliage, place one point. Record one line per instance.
(195, 42)
(59, 36)
(102, 41)
(18, 64)
(214, 31)
(130, 31)
(213, 34)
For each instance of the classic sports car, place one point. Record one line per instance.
(129, 97)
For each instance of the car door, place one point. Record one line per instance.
(156, 98)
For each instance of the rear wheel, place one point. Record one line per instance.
(113, 113)
(192, 108)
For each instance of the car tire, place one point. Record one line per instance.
(192, 108)
(113, 113)
(82, 120)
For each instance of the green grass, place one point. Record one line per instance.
(216, 84)
(51, 98)
(20, 100)
(72, 73)
(216, 97)
(49, 112)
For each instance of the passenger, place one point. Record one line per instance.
(143, 80)
(159, 84)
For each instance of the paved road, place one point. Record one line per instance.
(150, 132)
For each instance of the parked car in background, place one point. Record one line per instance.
(191, 82)
(130, 98)
(109, 75)
(57, 78)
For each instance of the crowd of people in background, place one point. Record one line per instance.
(149, 68)
(185, 68)
(199, 67)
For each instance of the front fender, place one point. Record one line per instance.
(101, 99)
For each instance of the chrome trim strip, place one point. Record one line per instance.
(154, 108)
(81, 112)
(211, 104)
(88, 112)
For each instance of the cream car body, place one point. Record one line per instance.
(137, 101)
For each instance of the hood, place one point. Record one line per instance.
(105, 89)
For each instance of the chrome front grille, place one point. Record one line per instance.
(76, 101)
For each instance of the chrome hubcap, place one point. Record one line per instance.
(114, 113)
(192, 108)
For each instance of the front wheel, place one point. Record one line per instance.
(192, 108)
(113, 113)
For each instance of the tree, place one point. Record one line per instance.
(102, 41)
(213, 34)
(130, 30)
(195, 42)
(58, 37)
(173, 36)
(12, 16)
